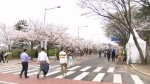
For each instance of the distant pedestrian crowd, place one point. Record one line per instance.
(114, 54)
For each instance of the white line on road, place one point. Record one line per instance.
(79, 77)
(68, 73)
(74, 68)
(117, 78)
(99, 77)
(110, 70)
(136, 79)
(28, 71)
(86, 68)
(97, 69)
(51, 73)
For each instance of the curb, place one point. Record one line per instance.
(139, 70)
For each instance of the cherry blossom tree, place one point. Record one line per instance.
(6, 35)
(53, 33)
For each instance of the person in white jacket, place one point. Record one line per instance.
(42, 59)
(63, 62)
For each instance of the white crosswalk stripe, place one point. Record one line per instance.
(99, 77)
(28, 71)
(82, 75)
(73, 68)
(110, 70)
(68, 73)
(136, 79)
(97, 69)
(51, 73)
(77, 73)
(117, 78)
(86, 68)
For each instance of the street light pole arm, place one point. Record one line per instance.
(53, 8)
(49, 9)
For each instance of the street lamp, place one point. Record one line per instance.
(49, 9)
(78, 33)
(45, 42)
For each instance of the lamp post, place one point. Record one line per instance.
(44, 42)
(49, 9)
(78, 33)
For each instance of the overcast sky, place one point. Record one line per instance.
(11, 11)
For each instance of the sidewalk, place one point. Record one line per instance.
(144, 69)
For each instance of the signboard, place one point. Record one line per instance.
(115, 39)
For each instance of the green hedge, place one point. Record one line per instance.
(16, 52)
(52, 52)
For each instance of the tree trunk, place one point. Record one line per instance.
(143, 61)
(31, 50)
(9, 48)
(134, 38)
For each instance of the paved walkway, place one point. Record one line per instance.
(144, 69)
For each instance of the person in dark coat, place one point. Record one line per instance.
(57, 55)
(113, 55)
(108, 55)
(99, 52)
(2, 57)
(45, 68)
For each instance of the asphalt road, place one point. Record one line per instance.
(88, 68)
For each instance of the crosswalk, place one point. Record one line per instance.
(95, 74)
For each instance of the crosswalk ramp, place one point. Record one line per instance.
(90, 73)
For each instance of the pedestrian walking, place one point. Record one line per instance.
(2, 57)
(70, 58)
(42, 60)
(120, 56)
(63, 62)
(5, 57)
(57, 55)
(113, 55)
(105, 53)
(108, 55)
(24, 59)
(99, 52)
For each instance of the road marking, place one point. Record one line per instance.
(74, 68)
(12, 71)
(32, 73)
(51, 73)
(68, 73)
(58, 68)
(136, 79)
(86, 68)
(9, 68)
(110, 70)
(28, 71)
(79, 77)
(7, 82)
(97, 69)
(98, 77)
(117, 78)
(54, 66)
